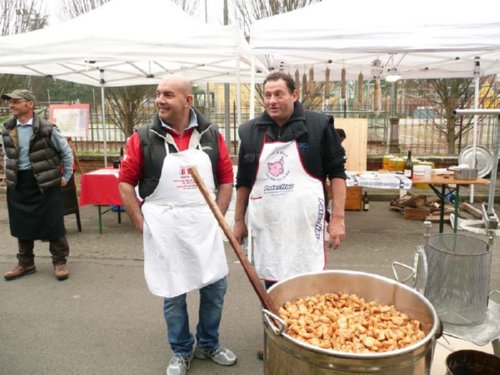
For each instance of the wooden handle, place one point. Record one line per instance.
(249, 270)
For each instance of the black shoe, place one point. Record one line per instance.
(260, 354)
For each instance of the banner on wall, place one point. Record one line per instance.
(72, 119)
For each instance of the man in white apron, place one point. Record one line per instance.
(183, 246)
(285, 156)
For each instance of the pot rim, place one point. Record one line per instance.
(372, 355)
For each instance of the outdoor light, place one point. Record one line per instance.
(392, 75)
(377, 68)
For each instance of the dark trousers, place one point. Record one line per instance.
(58, 248)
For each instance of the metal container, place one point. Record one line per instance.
(472, 362)
(458, 280)
(465, 173)
(285, 355)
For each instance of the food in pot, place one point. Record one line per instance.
(347, 323)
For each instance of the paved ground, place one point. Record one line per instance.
(104, 321)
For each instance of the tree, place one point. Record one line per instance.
(246, 12)
(446, 95)
(18, 16)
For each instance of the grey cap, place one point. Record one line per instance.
(20, 94)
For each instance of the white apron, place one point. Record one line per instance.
(286, 215)
(183, 246)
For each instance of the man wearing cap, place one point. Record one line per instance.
(34, 151)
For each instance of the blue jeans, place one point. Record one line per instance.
(207, 331)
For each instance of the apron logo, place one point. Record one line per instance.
(276, 166)
(318, 227)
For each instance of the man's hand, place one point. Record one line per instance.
(240, 231)
(64, 182)
(336, 233)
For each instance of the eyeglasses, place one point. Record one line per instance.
(16, 101)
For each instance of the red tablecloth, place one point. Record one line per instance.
(100, 187)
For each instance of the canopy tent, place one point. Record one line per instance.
(425, 39)
(126, 42)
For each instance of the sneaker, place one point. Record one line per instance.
(61, 271)
(219, 355)
(19, 271)
(179, 365)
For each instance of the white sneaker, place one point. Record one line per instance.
(179, 365)
(219, 355)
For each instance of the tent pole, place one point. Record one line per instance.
(238, 94)
(103, 108)
(477, 74)
(252, 87)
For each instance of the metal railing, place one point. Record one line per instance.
(418, 134)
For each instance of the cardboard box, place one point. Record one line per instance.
(354, 198)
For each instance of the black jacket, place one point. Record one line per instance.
(153, 149)
(319, 145)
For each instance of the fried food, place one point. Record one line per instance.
(347, 323)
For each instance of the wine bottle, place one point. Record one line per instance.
(121, 156)
(408, 168)
(366, 202)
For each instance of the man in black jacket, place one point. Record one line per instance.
(285, 156)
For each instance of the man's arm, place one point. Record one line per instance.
(223, 197)
(131, 205)
(336, 227)
(240, 229)
(62, 147)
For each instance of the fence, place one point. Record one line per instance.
(418, 134)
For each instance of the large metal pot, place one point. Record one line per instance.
(284, 355)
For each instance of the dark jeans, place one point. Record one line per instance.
(58, 248)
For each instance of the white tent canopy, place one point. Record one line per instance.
(129, 42)
(424, 39)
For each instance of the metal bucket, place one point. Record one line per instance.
(284, 355)
(472, 362)
(458, 281)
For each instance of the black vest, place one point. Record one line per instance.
(45, 160)
(153, 150)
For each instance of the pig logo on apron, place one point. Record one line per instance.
(286, 214)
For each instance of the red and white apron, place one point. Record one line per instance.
(183, 246)
(286, 215)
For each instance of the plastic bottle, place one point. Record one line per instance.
(408, 168)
